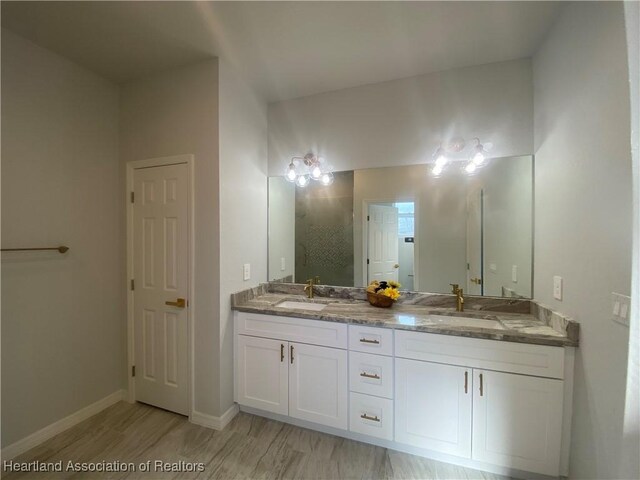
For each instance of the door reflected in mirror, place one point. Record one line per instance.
(404, 224)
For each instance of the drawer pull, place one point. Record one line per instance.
(481, 386)
(370, 375)
(367, 417)
(281, 352)
(466, 382)
(366, 340)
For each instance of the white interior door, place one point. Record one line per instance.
(474, 243)
(160, 255)
(383, 243)
(318, 390)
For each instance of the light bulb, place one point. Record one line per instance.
(478, 158)
(437, 170)
(291, 173)
(441, 161)
(316, 172)
(470, 168)
(302, 181)
(326, 179)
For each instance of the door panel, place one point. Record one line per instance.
(474, 243)
(262, 374)
(318, 384)
(383, 243)
(433, 407)
(517, 421)
(160, 255)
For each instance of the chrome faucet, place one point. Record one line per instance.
(457, 291)
(308, 288)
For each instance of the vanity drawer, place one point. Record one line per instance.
(371, 374)
(371, 339)
(302, 330)
(371, 416)
(523, 358)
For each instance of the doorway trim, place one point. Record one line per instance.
(365, 236)
(132, 166)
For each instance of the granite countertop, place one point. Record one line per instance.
(539, 327)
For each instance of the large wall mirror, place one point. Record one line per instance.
(403, 223)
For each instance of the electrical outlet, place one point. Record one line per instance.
(557, 288)
(282, 264)
(514, 273)
(620, 308)
(246, 271)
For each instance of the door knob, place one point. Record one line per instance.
(396, 266)
(180, 303)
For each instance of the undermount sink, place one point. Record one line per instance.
(467, 322)
(314, 307)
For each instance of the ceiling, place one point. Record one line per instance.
(285, 49)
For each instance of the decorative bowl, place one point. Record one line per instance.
(378, 300)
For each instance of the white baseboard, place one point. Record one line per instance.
(217, 423)
(36, 438)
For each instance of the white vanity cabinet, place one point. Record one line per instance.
(433, 406)
(487, 404)
(517, 421)
(275, 374)
(501, 418)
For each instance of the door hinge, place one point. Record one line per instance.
(133, 284)
(367, 218)
(133, 197)
(133, 370)
(367, 261)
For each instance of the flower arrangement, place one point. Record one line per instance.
(384, 293)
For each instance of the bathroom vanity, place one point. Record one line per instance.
(486, 388)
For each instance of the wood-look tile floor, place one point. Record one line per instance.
(250, 447)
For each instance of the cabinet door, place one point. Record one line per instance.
(517, 421)
(433, 406)
(318, 384)
(261, 374)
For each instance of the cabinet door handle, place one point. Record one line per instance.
(481, 386)
(365, 340)
(466, 382)
(367, 417)
(282, 352)
(370, 375)
(291, 353)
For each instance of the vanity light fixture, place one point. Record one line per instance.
(477, 157)
(301, 170)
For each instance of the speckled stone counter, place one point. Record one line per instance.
(522, 321)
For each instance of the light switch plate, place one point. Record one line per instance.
(620, 308)
(514, 273)
(282, 264)
(246, 271)
(557, 287)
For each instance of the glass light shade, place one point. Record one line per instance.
(326, 179)
(437, 170)
(478, 157)
(291, 174)
(471, 167)
(302, 181)
(316, 172)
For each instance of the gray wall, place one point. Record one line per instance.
(282, 210)
(63, 317)
(172, 113)
(243, 206)
(401, 122)
(583, 212)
